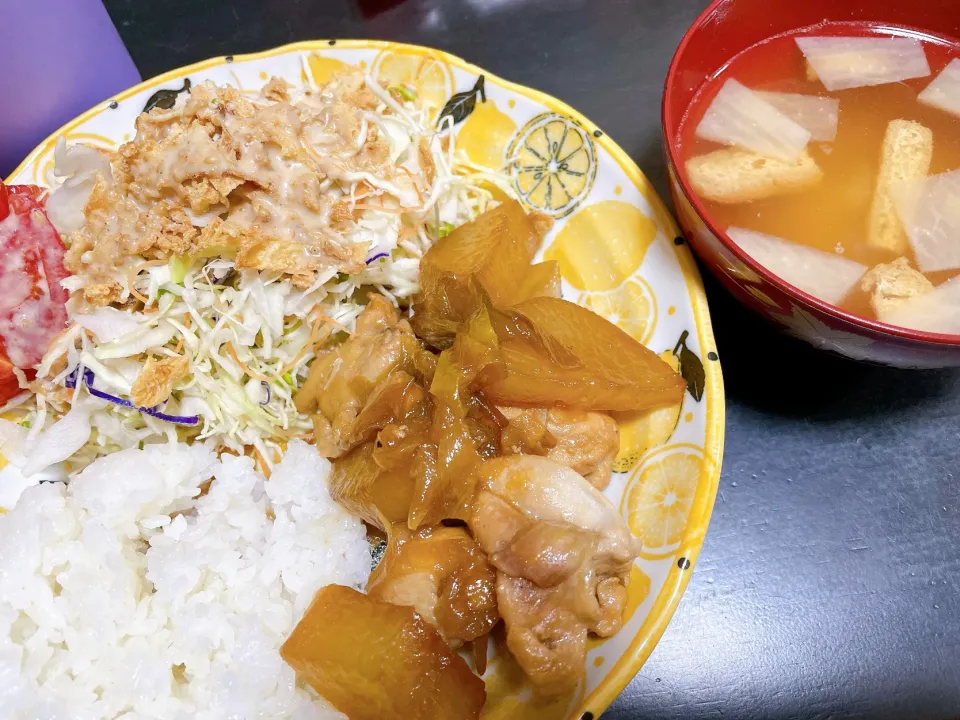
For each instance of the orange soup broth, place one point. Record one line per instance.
(833, 215)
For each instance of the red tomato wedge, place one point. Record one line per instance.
(32, 301)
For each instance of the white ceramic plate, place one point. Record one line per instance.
(620, 254)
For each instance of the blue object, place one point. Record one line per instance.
(58, 58)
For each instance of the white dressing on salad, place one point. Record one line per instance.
(249, 333)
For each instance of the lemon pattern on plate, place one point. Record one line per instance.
(602, 245)
(553, 164)
(600, 249)
(428, 74)
(632, 307)
(644, 431)
(485, 134)
(660, 495)
(322, 68)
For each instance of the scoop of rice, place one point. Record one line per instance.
(127, 595)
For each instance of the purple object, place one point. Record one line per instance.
(58, 58)
(88, 378)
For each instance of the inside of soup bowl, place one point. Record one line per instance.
(817, 149)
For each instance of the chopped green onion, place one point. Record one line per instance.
(445, 229)
(179, 267)
(407, 93)
(288, 378)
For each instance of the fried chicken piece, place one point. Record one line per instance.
(587, 442)
(563, 556)
(157, 380)
(340, 382)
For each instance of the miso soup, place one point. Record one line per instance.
(831, 155)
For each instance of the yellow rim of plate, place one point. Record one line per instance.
(675, 583)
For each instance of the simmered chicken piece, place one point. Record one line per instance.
(507, 429)
(563, 556)
(341, 382)
(378, 495)
(443, 575)
(423, 436)
(586, 442)
(378, 661)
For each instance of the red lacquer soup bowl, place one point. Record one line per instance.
(725, 29)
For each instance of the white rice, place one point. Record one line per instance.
(111, 609)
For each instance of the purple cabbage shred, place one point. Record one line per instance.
(88, 378)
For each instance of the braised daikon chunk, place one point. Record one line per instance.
(490, 256)
(553, 353)
(377, 661)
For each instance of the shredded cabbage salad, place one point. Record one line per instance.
(249, 335)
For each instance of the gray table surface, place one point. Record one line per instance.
(827, 586)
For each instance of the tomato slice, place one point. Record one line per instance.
(32, 301)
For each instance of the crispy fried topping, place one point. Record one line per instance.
(157, 379)
(224, 174)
